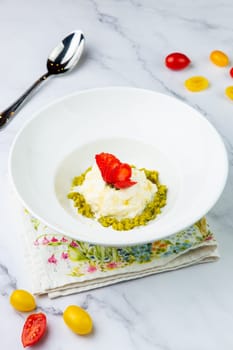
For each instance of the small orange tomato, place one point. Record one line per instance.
(219, 58)
(77, 319)
(22, 300)
(196, 83)
(229, 92)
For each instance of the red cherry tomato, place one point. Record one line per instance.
(34, 328)
(219, 58)
(177, 61)
(231, 72)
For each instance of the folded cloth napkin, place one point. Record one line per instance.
(60, 265)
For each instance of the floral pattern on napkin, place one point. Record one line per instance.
(81, 258)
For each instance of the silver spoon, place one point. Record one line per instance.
(61, 60)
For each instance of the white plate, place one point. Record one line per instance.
(140, 127)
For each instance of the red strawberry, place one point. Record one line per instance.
(109, 171)
(102, 160)
(124, 184)
(122, 173)
(113, 171)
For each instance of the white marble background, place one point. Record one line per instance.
(127, 40)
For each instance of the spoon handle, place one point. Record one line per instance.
(10, 111)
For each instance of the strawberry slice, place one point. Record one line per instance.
(113, 171)
(110, 169)
(124, 184)
(102, 160)
(122, 173)
(99, 158)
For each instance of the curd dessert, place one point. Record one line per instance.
(117, 194)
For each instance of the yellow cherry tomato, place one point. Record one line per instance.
(197, 83)
(77, 319)
(22, 300)
(229, 92)
(219, 58)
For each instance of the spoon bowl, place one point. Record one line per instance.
(66, 55)
(63, 58)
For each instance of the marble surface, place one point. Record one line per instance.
(127, 41)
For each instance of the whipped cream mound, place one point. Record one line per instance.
(120, 204)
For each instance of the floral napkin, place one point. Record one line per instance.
(60, 265)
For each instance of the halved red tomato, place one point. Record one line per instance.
(34, 329)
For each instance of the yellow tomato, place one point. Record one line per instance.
(22, 300)
(77, 319)
(229, 92)
(196, 83)
(219, 58)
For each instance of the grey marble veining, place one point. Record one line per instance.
(8, 283)
(127, 41)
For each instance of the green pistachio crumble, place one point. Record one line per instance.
(149, 213)
(78, 180)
